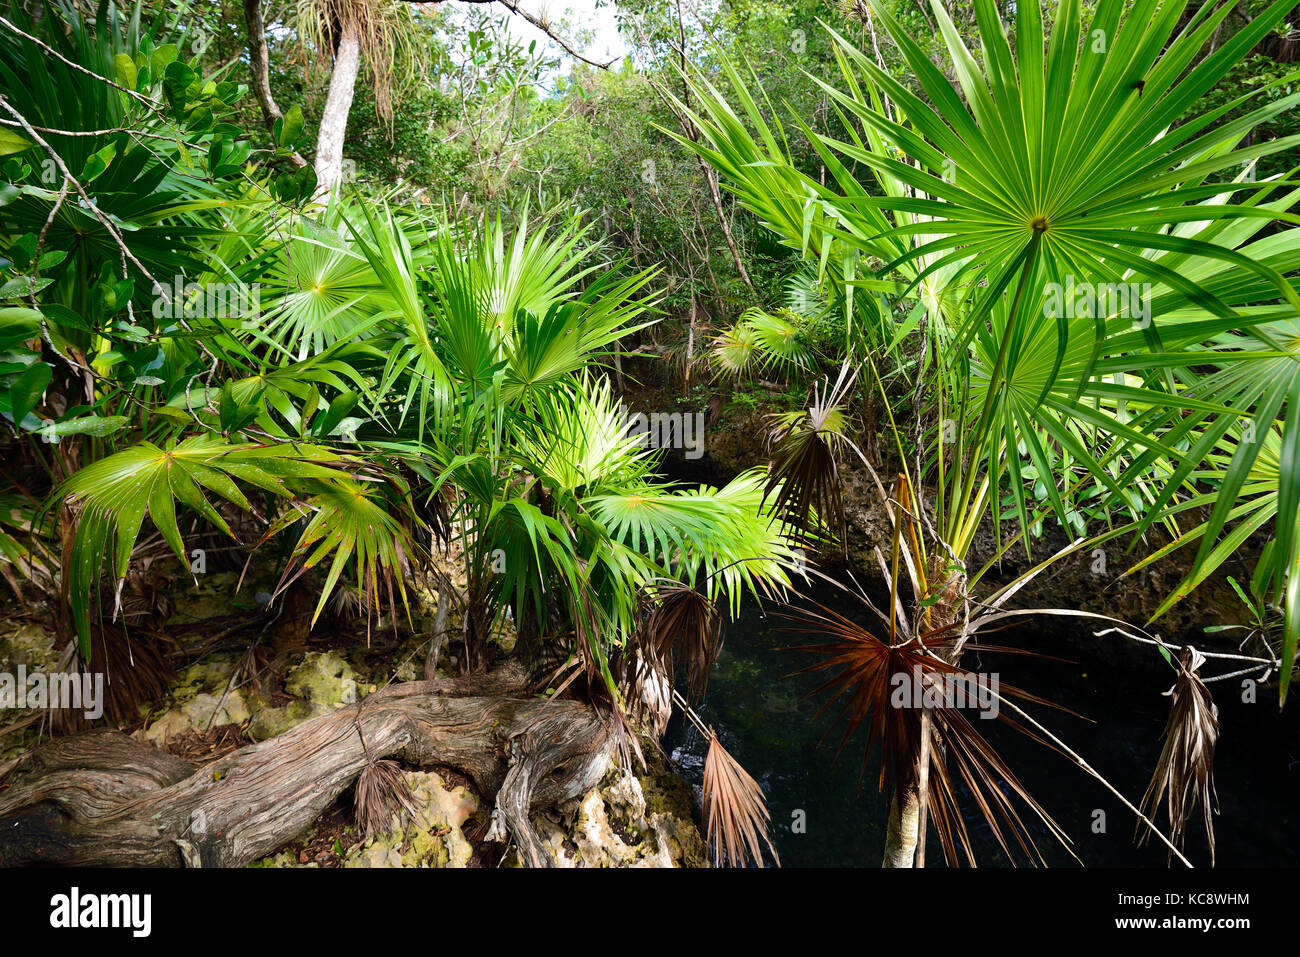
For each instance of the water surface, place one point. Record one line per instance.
(763, 718)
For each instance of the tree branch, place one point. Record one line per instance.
(259, 67)
(540, 23)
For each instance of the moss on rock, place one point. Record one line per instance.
(631, 819)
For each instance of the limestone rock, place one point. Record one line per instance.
(322, 682)
(200, 713)
(642, 819)
(431, 837)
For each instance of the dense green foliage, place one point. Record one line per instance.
(193, 341)
(1054, 251)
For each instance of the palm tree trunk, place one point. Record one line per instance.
(900, 839)
(338, 104)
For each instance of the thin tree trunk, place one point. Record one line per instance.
(259, 67)
(715, 195)
(690, 338)
(338, 104)
(439, 630)
(900, 839)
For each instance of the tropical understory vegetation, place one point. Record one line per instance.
(1034, 275)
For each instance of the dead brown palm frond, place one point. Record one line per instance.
(1186, 766)
(803, 475)
(627, 739)
(381, 789)
(385, 29)
(647, 692)
(381, 792)
(136, 671)
(735, 813)
(684, 626)
(880, 683)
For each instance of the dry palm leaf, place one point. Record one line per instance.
(684, 625)
(1186, 766)
(646, 690)
(381, 791)
(136, 668)
(735, 813)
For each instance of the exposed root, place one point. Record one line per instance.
(105, 799)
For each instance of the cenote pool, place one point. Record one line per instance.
(765, 720)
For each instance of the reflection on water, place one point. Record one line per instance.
(765, 721)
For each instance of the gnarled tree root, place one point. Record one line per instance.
(104, 799)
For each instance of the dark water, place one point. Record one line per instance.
(765, 721)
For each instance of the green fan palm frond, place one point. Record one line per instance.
(728, 541)
(318, 291)
(581, 441)
(761, 338)
(352, 521)
(734, 350)
(414, 363)
(114, 494)
(1068, 140)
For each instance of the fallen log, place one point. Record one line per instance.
(105, 799)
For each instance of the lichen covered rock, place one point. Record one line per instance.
(26, 644)
(431, 837)
(200, 713)
(641, 819)
(322, 682)
(324, 679)
(201, 699)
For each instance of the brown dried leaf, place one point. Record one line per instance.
(1186, 766)
(735, 813)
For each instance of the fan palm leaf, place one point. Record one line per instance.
(114, 494)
